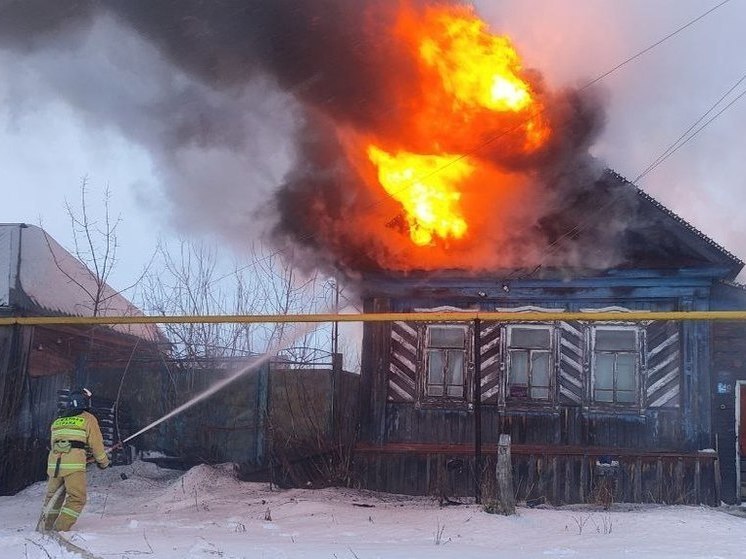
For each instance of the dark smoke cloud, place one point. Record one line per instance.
(27, 25)
(222, 82)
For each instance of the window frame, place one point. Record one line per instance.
(637, 354)
(445, 399)
(550, 351)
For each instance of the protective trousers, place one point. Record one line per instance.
(69, 504)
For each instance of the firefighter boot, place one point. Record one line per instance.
(75, 487)
(50, 510)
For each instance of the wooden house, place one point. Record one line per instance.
(646, 407)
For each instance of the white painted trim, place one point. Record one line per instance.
(604, 326)
(612, 309)
(529, 308)
(444, 308)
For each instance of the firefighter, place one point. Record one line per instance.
(73, 432)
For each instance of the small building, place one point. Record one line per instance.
(39, 364)
(278, 420)
(652, 404)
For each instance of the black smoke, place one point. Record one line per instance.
(332, 65)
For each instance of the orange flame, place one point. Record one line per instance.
(472, 88)
(477, 68)
(426, 187)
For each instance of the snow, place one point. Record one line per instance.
(142, 510)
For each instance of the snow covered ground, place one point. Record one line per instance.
(205, 512)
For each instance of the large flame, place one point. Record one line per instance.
(472, 89)
(476, 68)
(427, 188)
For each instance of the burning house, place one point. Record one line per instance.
(655, 398)
(476, 191)
(436, 170)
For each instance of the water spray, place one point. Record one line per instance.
(281, 344)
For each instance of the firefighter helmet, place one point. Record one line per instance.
(80, 399)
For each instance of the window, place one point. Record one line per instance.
(615, 365)
(446, 361)
(529, 362)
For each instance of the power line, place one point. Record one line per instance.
(657, 43)
(681, 141)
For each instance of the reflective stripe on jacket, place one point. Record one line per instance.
(82, 428)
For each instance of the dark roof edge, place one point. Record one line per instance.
(678, 218)
(733, 284)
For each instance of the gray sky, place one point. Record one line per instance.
(52, 133)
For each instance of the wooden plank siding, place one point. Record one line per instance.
(548, 474)
(729, 368)
(670, 412)
(656, 429)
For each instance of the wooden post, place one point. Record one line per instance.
(637, 484)
(504, 472)
(477, 397)
(680, 497)
(555, 482)
(262, 411)
(716, 472)
(335, 410)
(659, 481)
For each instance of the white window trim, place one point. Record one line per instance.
(638, 364)
(507, 361)
(426, 396)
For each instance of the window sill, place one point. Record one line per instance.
(614, 410)
(531, 406)
(444, 404)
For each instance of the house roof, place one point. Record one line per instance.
(718, 252)
(39, 277)
(607, 227)
(728, 295)
(613, 225)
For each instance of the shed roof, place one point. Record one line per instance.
(39, 277)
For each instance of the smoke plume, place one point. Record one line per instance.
(282, 85)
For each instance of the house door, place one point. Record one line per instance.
(741, 425)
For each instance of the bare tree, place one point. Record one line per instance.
(189, 280)
(95, 246)
(95, 242)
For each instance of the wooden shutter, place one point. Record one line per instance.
(402, 381)
(571, 355)
(491, 362)
(663, 371)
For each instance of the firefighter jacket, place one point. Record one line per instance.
(71, 436)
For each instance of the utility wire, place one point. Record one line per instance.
(657, 43)
(675, 146)
(691, 136)
(680, 142)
